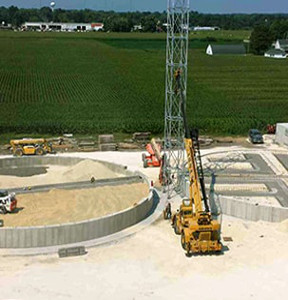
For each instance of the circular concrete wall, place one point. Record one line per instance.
(28, 161)
(62, 234)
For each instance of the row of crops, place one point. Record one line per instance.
(59, 83)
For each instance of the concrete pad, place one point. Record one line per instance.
(240, 187)
(229, 165)
(228, 156)
(258, 200)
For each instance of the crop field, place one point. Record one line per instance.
(52, 83)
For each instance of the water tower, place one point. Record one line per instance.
(52, 5)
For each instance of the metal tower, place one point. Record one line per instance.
(176, 62)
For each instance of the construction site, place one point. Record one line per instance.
(178, 218)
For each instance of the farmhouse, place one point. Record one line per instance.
(226, 49)
(5, 26)
(282, 45)
(275, 53)
(42, 26)
(137, 27)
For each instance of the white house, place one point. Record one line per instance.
(137, 27)
(282, 45)
(275, 53)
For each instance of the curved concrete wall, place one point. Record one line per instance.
(44, 236)
(62, 234)
(252, 212)
(55, 160)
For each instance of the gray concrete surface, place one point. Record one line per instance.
(283, 158)
(265, 171)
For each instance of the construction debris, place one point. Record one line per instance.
(72, 251)
(141, 136)
(106, 142)
(106, 139)
(128, 146)
(108, 147)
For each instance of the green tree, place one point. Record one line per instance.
(149, 23)
(45, 14)
(261, 39)
(117, 23)
(279, 28)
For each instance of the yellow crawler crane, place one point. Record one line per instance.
(194, 221)
(31, 147)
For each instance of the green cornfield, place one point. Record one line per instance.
(52, 83)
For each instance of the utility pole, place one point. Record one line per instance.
(176, 61)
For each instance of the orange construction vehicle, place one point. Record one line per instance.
(154, 158)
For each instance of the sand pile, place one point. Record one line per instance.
(63, 206)
(82, 171)
(85, 169)
(283, 226)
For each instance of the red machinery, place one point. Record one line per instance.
(154, 158)
(271, 129)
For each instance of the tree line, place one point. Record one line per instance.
(124, 21)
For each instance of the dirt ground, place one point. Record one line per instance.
(64, 206)
(152, 265)
(82, 171)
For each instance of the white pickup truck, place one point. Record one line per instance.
(8, 202)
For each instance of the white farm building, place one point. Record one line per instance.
(42, 26)
(281, 137)
(275, 53)
(282, 45)
(226, 49)
(205, 28)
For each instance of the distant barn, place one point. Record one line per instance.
(275, 53)
(226, 49)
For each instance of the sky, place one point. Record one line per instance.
(205, 6)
